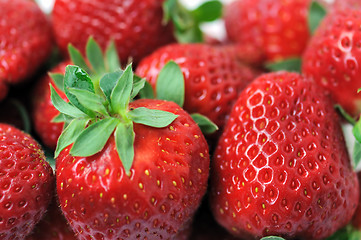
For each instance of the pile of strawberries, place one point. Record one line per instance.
(142, 127)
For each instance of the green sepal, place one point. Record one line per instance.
(208, 11)
(124, 141)
(290, 64)
(316, 13)
(91, 101)
(75, 77)
(77, 58)
(120, 95)
(357, 131)
(95, 55)
(64, 107)
(272, 238)
(170, 84)
(58, 118)
(108, 82)
(138, 84)
(90, 142)
(58, 80)
(204, 123)
(356, 154)
(344, 114)
(152, 117)
(346, 233)
(147, 91)
(112, 58)
(69, 134)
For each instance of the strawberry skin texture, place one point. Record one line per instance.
(135, 26)
(213, 77)
(26, 183)
(43, 111)
(275, 29)
(168, 180)
(25, 40)
(281, 166)
(332, 57)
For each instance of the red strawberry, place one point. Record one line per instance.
(135, 26)
(25, 41)
(43, 111)
(274, 29)
(213, 76)
(332, 57)
(281, 166)
(126, 171)
(26, 182)
(356, 221)
(53, 226)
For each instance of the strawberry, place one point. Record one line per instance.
(126, 170)
(281, 166)
(213, 77)
(332, 57)
(26, 182)
(53, 226)
(135, 27)
(25, 41)
(273, 29)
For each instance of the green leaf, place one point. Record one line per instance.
(272, 238)
(76, 77)
(89, 100)
(357, 131)
(124, 141)
(290, 64)
(77, 58)
(344, 114)
(58, 118)
(95, 55)
(208, 11)
(168, 8)
(189, 35)
(147, 91)
(64, 107)
(204, 123)
(152, 117)
(120, 96)
(170, 84)
(70, 133)
(346, 233)
(112, 58)
(94, 137)
(108, 82)
(316, 13)
(138, 84)
(58, 80)
(356, 155)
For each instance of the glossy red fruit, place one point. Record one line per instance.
(25, 41)
(43, 111)
(26, 182)
(135, 26)
(53, 226)
(332, 58)
(274, 29)
(213, 76)
(281, 166)
(167, 180)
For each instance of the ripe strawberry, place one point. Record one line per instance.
(332, 57)
(274, 29)
(26, 181)
(126, 171)
(25, 41)
(53, 226)
(281, 166)
(136, 27)
(43, 111)
(213, 77)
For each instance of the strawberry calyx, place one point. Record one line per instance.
(315, 15)
(187, 22)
